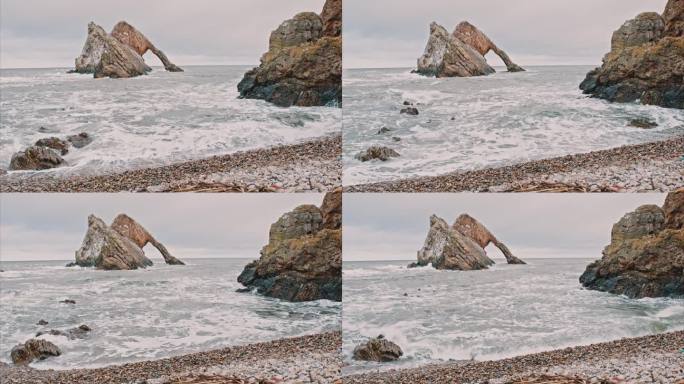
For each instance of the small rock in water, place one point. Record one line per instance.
(24, 354)
(79, 332)
(54, 143)
(406, 102)
(68, 301)
(376, 152)
(395, 138)
(243, 290)
(35, 158)
(42, 322)
(643, 122)
(383, 130)
(378, 349)
(80, 140)
(453, 118)
(410, 111)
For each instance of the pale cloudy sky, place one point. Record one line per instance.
(52, 226)
(48, 33)
(394, 226)
(391, 33)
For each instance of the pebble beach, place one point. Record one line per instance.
(311, 166)
(650, 167)
(648, 359)
(305, 359)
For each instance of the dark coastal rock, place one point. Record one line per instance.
(119, 54)
(646, 61)
(409, 111)
(135, 232)
(55, 143)
(460, 54)
(35, 158)
(646, 255)
(383, 130)
(79, 332)
(303, 258)
(42, 322)
(80, 140)
(643, 122)
(459, 247)
(303, 65)
(376, 153)
(378, 349)
(68, 301)
(33, 349)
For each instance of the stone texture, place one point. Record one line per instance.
(303, 65)
(55, 143)
(646, 255)
(35, 158)
(460, 246)
(303, 258)
(378, 349)
(460, 54)
(135, 232)
(646, 61)
(119, 54)
(376, 153)
(33, 349)
(80, 140)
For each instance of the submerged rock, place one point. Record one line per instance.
(35, 158)
(24, 354)
(643, 122)
(460, 54)
(80, 140)
(459, 247)
(303, 258)
(55, 143)
(409, 111)
(376, 153)
(645, 257)
(119, 54)
(42, 322)
(79, 332)
(303, 65)
(68, 301)
(132, 230)
(646, 61)
(378, 349)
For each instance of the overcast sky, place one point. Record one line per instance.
(394, 226)
(52, 226)
(44, 33)
(390, 33)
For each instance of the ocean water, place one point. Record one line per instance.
(501, 119)
(146, 314)
(505, 311)
(145, 121)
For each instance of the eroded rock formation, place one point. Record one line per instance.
(303, 258)
(461, 246)
(34, 349)
(118, 247)
(461, 53)
(646, 61)
(645, 257)
(303, 65)
(36, 158)
(378, 349)
(119, 54)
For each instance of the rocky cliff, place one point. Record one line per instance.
(303, 258)
(119, 54)
(646, 61)
(645, 257)
(461, 246)
(117, 247)
(303, 65)
(461, 53)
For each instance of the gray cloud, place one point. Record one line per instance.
(52, 226)
(39, 33)
(394, 226)
(389, 33)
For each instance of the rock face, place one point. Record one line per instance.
(118, 247)
(119, 54)
(303, 65)
(130, 229)
(303, 258)
(378, 349)
(645, 257)
(461, 246)
(36, 158)
(460, 54)
(646, 61)
(24, 354)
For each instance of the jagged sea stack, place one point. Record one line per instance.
(461, 246)
(119, 54)
(645, 257)
(461, 53)
(646, 61)
(303, 65)
(303, 258)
